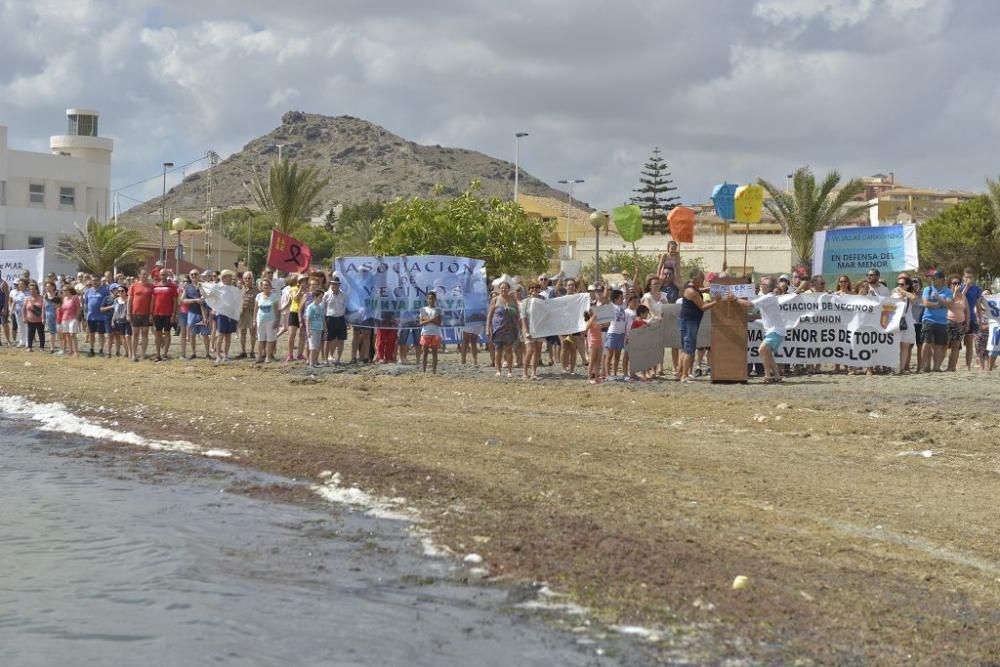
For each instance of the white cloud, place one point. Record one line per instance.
(729, 89)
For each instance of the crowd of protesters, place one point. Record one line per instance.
(118, 315)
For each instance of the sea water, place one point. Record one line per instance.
(115, 556)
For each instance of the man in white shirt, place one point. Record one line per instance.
(335, 303)
(874, 284)
(774, 327)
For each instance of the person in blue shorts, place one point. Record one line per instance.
(94, 299)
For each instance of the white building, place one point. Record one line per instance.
(42, 194)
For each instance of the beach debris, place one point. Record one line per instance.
(703, 605)
(874, 415)
(325, 474)
(782, 406)
(806, 596)
(741, 582)
(492, 442)
(760, 418)
(27, 363)
(473, 559)
(927, 453)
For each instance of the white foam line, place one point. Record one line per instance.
(381, 508)
(54, 417)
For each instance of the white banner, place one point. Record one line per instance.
(993, 316)
(14, 262)
(223, 299)
(859, 331)
(558, 317)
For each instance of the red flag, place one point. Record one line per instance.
(287, 254)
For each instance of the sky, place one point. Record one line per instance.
(728, 89)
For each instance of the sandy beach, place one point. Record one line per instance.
(861, 509)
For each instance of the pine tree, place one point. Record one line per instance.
(654, 183)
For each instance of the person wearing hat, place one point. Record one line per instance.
(335, 303)
(936, 299)
(784, 284)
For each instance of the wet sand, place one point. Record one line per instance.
(862, 509)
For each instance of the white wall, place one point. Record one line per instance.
(89, 176)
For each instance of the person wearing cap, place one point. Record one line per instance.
(335, 303)
(784, 284)
(936, 298)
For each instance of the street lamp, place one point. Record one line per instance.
(598, 219)
(178, 225)
(517, 151)
(570, 183)
(163, 213)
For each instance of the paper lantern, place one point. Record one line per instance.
(749, 201)
(628, 222)
(722, 196)
(681, 220)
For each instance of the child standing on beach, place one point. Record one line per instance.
(430, 332)
(595, 345)
(316, 321)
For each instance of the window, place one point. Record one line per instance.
(67, 196)
(36, 242)
(82, 125)
(36, 193)
(3, 193)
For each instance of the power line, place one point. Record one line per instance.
(160, 175)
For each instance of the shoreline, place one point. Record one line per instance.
(615, 509)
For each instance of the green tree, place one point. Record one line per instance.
(496, 231)
(356, 227)
(809, 208)
(288, 195)
(321, 243)
(238, 223)
(97, 248)
(654, 183)
(964, 235)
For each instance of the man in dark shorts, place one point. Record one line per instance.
(94, 299)
(164, 314)
(335, 303)
(197, 315)
(936, 298)
(140, 313)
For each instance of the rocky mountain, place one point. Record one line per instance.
(361, 159)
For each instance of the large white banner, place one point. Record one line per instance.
(14, 262)
(223, 299)
(558, 317)
(859, 331)
(993, 315)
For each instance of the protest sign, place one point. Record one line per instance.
(855, 250)
(390, 291)
(859, 331)
(724, 200)
(558, 317)
(742, 291)
(288, 254)
(14, 262)
(671, 330)
(628, 222)
(645, 346)
(605, 313)
(681, 221)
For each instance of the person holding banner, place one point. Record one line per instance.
(693, 308)
(958, 319)
(907, 335)
(773, 323)
(533, 347)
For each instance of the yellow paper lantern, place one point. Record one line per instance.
(749, 202)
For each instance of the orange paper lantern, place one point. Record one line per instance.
(681, 220)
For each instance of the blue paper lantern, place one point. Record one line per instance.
(723, 197)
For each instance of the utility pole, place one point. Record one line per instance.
(517, 156)
(570, 183)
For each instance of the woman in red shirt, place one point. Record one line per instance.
(140, 312)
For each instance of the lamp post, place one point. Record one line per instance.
(570, 183)
(163, 213)
(178, 225)
(598, 219)
(517, 156)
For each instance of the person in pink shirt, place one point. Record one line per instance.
(69, 326)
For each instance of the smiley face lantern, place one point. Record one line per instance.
(749, 200)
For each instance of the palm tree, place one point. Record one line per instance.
(356, 227)
(993, 195)
(97, 248)
(808, 209)
(289, 195)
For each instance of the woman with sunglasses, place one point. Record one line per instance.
(844, 286)
(906, 333)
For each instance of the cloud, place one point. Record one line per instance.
(728, 89)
